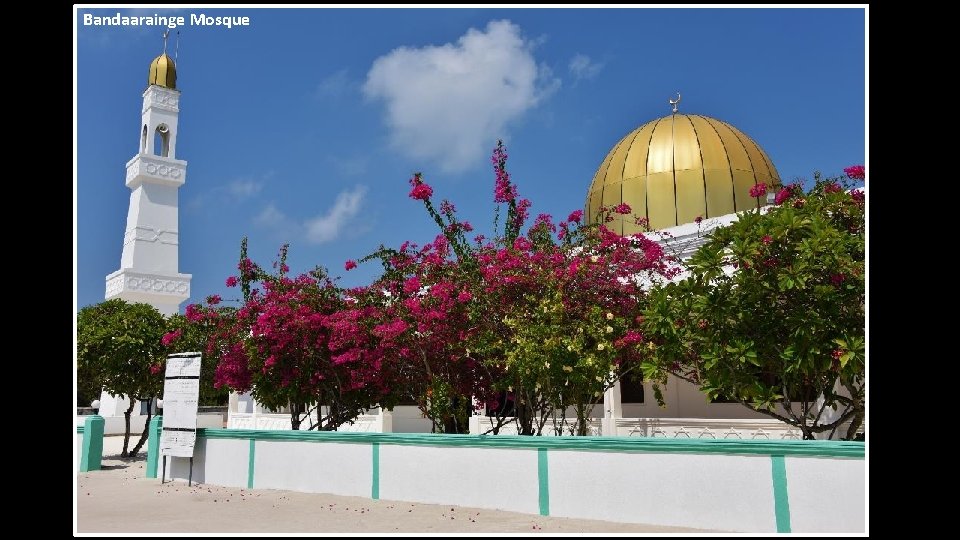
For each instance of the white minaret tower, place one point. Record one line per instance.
(148, 267)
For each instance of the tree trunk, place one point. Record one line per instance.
(126, 431)
(582, 419)
(524, 417)
(146, 431)
(854, 426)
(333, 415)
(295, 411)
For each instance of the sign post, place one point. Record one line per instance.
(181, 394)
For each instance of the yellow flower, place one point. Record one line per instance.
(546, 365)
(650, 345)
(609, 316)
(600, 346)
(594, 258)
(568, 369)
(609, 329)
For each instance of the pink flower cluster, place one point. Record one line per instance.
(170, 337)
(503, 190)
(420, 191)
(782, 196)
(758, 190)
(855, 172)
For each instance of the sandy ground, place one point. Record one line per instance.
(120, 499)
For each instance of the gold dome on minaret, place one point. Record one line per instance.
(674, 169)
(163, 72)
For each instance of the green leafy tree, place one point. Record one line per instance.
(119, 350)
(772, 314)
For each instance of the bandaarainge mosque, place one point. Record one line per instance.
(685, 173)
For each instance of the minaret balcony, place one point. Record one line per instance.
(155, 170)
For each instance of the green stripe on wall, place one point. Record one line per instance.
(375, 489)
(543, 475)
(781, 502)
(848, 449)
(252, 454)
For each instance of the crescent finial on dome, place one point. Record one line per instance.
(673, 102)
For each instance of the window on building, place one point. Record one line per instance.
(631, 390)
(161, 141)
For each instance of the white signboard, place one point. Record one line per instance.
(181, 392)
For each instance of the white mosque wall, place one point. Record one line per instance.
(817, 487)
(495, 478)
(344, 469)
(215, 462)
(684, 400)
(728, 485)
(664, 489)
(244, 412)
(115, 425)
(409, 419)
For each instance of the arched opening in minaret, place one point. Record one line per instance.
(143, 140)
(161, 141)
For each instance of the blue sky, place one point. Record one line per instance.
(304, 126)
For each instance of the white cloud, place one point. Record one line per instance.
(581, 67)
(244, 188)
(329, 225)
(270, 216)
(449, 103)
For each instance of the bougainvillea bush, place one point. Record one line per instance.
(532, 323)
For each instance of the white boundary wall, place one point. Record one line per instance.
(727, 485)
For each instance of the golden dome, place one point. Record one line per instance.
(673, 169)
(163, 72)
